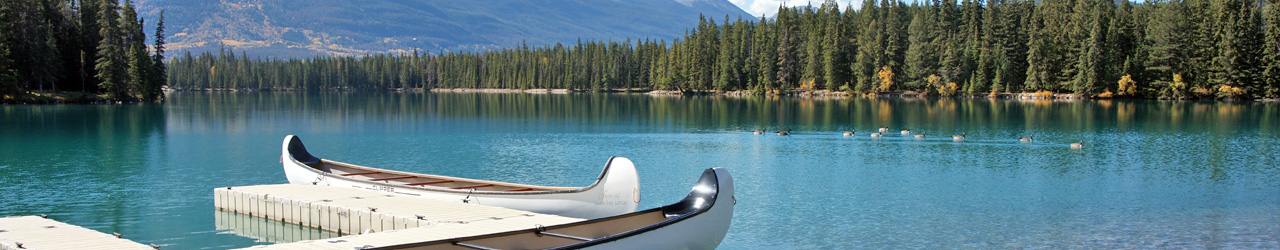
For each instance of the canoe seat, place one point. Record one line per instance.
(518, 190)
(473, 186)
(393, 178)
(429, 183)
(361, 173)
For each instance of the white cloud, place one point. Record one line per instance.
(770, 7)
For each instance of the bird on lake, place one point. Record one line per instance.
(788, 132)
(1078, 145)
(958, 137)
(849, 133)
(875, 134)
(1027, 139)
(884, 129)
(757, 132)
(921, 135)
(906, 131)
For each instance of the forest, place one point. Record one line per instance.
(95, 49)
(1189, 49)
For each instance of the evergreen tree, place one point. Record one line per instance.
(1087, 69)
(158, 69)
(922, 55)
(111, 57)
(34, 47)
(1167, 47)
(8, 74)
(1271, 50)
(1035, 62)
(766, 56)
(89, 37)
(834, 65)
(788, 57)
(992, 45)
(870, 54)
(139, 59)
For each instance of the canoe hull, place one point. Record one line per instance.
(704, 231)
(699, 221)
(615, 192)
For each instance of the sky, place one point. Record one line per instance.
(770, 7)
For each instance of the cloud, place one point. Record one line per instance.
(770, 7)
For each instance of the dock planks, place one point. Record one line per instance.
(35, 232)
(372, 218)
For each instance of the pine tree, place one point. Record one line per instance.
(1271, 50)
(89, 38)
(1087, 69)
(811, 73)
(834, 65)
(833, 53)
(111, 57)
(34, 47)
(139, 59)
(159, 72)
(8, 74)
(1035, 63)
(870, 54)
(1252, 37)
(921, 55)
(1166, 47)
(766, 56)
(788, 52)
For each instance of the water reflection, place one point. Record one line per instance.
(265, 230)
(194, 110)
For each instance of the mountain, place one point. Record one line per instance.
(294, 28)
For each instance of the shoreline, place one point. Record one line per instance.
(84, 98)
(60, 97)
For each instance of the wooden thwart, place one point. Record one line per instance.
(361, 173)
(473, 186)
(394, 178)
(429, 183)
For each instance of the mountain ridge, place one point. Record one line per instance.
(298, 28)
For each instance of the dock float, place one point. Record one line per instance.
(372, 218)
(266, 230)
(38, 233)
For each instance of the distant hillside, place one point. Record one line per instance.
(291, 28)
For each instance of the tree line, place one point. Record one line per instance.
(89, 46)
(1094, 48)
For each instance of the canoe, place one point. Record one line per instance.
(699, 221)
(616, 191)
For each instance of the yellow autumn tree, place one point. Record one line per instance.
(949, 89)
(886, 79)
(1127, 87)
(933, 82)
(1227, 91)
(1176, 87)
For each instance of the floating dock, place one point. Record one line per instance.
(372, 218)
(35, 232)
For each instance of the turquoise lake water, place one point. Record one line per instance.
(1152, 174)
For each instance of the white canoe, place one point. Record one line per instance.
(699, 221)
(616, 191)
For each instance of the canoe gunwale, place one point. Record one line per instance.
(300, 151)
(688, 205)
